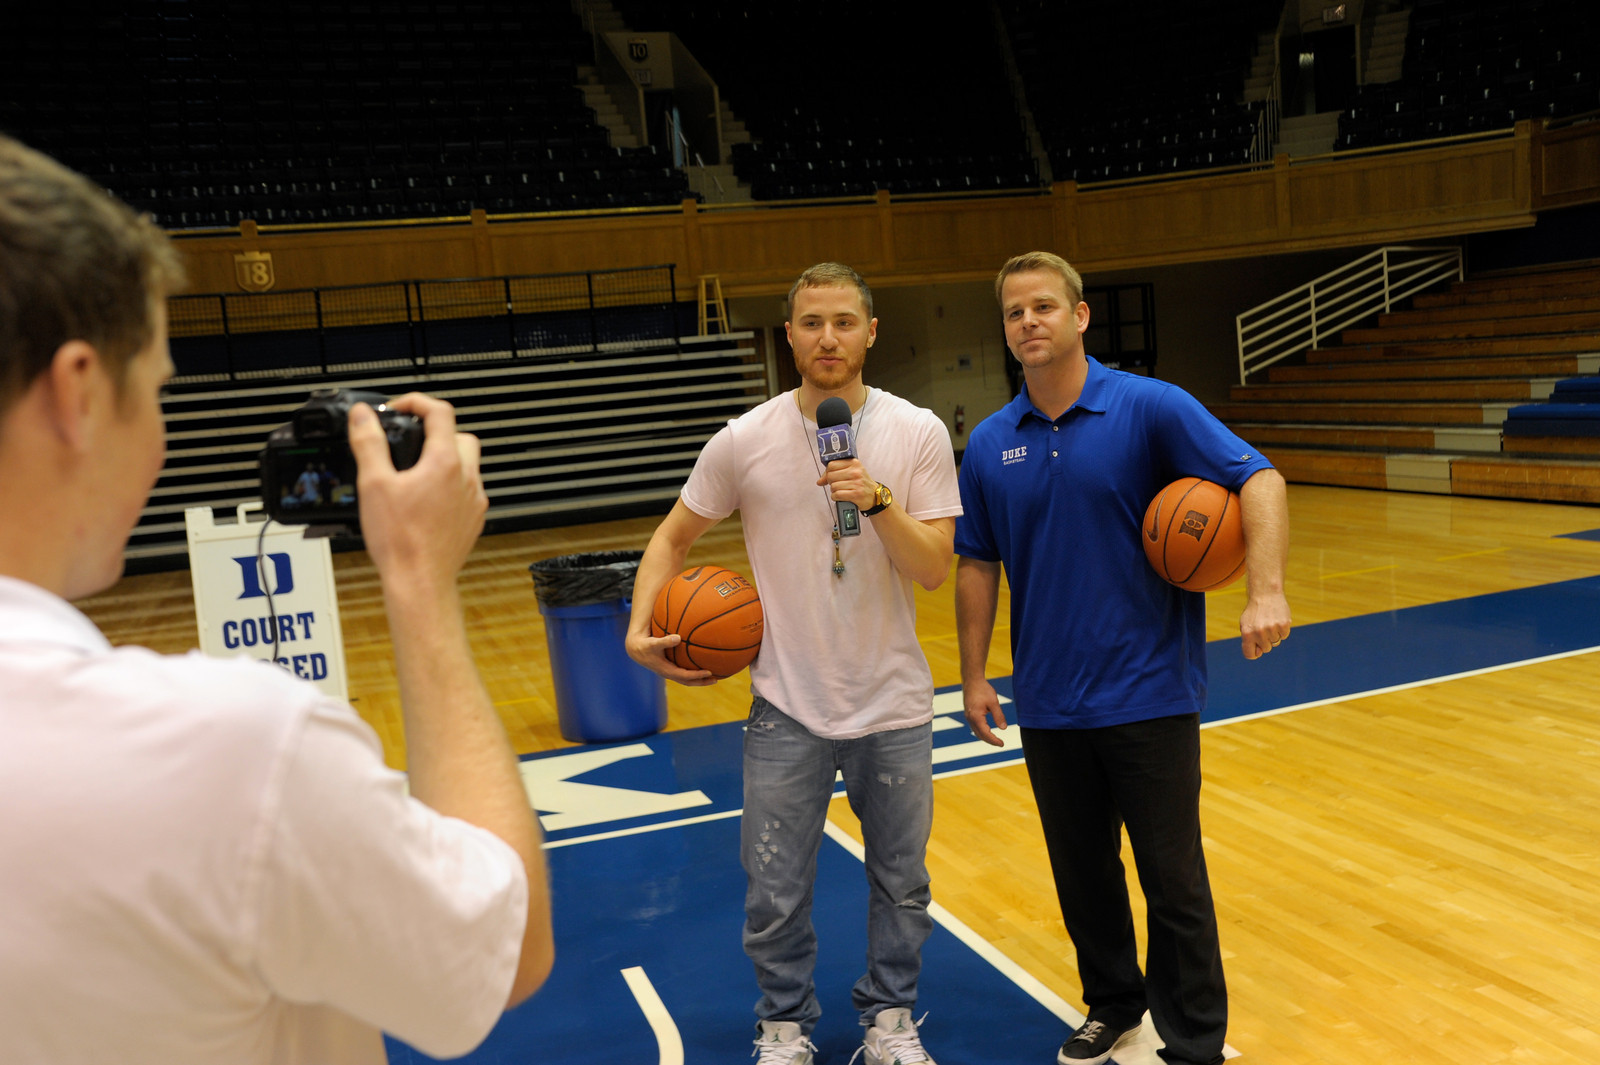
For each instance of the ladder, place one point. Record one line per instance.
(713, 311)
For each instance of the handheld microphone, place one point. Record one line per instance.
(835, 442)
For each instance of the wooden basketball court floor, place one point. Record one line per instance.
(1406, 872)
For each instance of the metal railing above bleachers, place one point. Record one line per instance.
(242, 335)
(1371, 285)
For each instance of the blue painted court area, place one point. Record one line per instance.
(671, 904)
(1400, 648)
(648, 892)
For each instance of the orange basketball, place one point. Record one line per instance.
(1193, 535)
(718, 614)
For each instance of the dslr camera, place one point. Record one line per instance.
(308, 472)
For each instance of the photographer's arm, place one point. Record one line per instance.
(420, 525)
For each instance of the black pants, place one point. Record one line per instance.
(1088, 783)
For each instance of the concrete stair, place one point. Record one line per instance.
(606, 111)
(1416, 402)
(1258, 83)
(600, 17)
(713, 182)
(717, 184)
(733, 131)
(1387, 48)
(1308, 134)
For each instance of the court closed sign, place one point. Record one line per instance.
(283, 599)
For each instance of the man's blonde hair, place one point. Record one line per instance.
(1041, 260)
(831, 275)
(75, 264)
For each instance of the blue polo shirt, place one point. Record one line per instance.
(1096, 637)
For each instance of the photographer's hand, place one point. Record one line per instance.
(420, 525)
(421, 522)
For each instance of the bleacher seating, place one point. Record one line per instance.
(306, 112)
(1477, 65)
(1572, 411)
(1440, 397)
(1115, 98)
(849, 97)
(300, 112)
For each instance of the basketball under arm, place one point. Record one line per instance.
(663, 559)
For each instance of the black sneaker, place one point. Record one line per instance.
(1095, 1042)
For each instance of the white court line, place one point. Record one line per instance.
(1002, 763)
(667, 1037)
(657, 827)
(980, 946)
(1142, 1052)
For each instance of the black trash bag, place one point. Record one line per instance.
(586, 579)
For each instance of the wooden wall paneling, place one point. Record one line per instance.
(582, 244)
(1157, 222)
(889, 253)
(1447, 185)
(1064, 221)
(327, 258)
(1566, 166)
(951, 236)
(761, 252)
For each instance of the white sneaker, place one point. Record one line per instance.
(893, 1039)
(781, 1043)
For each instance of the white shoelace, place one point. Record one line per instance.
(768, 1053)
(898, 1048)
(902, 1048)
(1088, 1033)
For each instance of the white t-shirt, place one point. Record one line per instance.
(207, 861)
(838, 654)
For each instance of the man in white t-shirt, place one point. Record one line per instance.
(841, 684)
(206, 861)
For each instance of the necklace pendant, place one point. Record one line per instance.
(838, 568)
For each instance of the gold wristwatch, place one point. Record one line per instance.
(880, 500)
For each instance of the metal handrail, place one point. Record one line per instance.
(1371, 285)
(410, 308)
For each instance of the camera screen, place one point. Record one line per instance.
(316, 482)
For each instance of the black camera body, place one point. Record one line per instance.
(308, 472)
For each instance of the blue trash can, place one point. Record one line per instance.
(601, 694)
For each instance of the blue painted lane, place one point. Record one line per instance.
(1341, 658)
(672, 904)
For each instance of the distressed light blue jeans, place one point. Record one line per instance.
(788, 782)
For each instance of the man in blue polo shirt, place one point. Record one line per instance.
(1110, 668)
